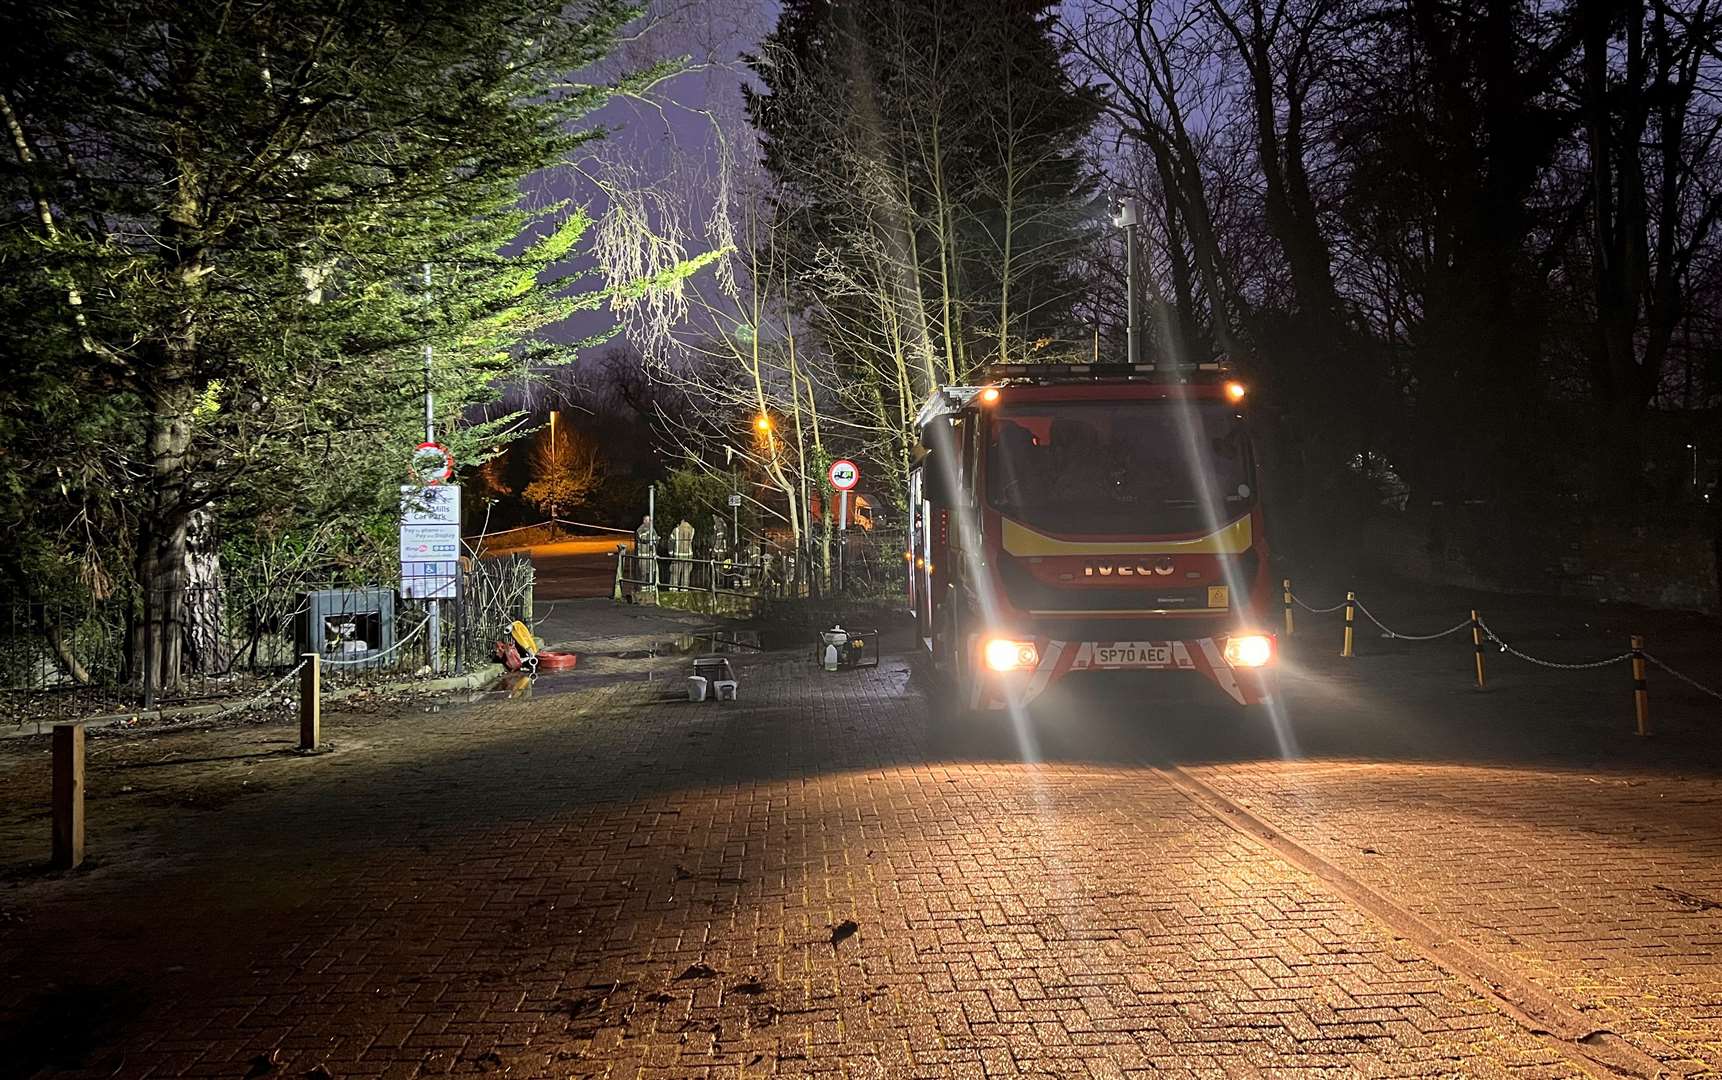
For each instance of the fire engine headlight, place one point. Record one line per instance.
(1006, 654)
(1249, 650)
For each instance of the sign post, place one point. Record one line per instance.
(844, 475)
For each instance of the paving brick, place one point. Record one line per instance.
(534, 885)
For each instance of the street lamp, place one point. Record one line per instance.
(1124, 216)
(762, 424)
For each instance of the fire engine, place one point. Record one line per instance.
(1089, 517)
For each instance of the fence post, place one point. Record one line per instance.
(1477, 647)
(68, 796)
(616, 593)
(711, 581)
(310, 702)
(1286, 598)
(459, 621)
(1640, 687)
(1350, 616)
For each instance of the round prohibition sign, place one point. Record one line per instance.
(844, 475)
(432, 463)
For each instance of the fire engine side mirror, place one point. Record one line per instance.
(939, 468)
(936, 480)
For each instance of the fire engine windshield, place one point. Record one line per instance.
(1120, 467)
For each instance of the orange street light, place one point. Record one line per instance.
(763, 423)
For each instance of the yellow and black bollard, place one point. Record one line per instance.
(1640, 688)
(1477, 647)
(1286, 599)
(1350, 619)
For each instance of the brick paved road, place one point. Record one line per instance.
(607, 883)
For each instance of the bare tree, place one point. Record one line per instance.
(566, 468)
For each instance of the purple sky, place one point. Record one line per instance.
(670, 140)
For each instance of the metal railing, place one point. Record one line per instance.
(869, 564)
(217, 640)
(766, 575)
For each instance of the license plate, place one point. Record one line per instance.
(1132, 656)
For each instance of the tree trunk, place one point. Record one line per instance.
(74, 668)
(825, 541)
(163, 527)
(207, 647)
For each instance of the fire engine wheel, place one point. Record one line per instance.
(953, 672)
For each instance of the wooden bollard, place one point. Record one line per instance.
(310, 702)
(68, 796)
(1286, 599)
(1640, 687)
(1350, 619)
(1477, 647)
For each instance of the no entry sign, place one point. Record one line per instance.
(844, 475)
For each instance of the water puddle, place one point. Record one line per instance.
(708, 643)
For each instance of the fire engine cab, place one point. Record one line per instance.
(1089, 517)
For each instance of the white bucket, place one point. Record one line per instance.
(696, 687)
(725, 689)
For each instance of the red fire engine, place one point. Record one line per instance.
(1089, 517)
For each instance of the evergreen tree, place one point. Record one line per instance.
(219, 221)
(930, 178)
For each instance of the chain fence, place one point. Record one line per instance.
(1484, 632)
(258, 698)
(1391, 633)
(1683, 677)
(1557, 665)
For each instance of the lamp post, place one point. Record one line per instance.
(1124, 216)
(433, 606)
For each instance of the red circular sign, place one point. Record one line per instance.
(432, 463)
(844, 474)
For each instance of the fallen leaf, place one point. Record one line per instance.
(264, 1064)
(576, 1007)
(700, 970)
(843, 931)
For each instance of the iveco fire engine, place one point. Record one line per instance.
(1089, 517)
